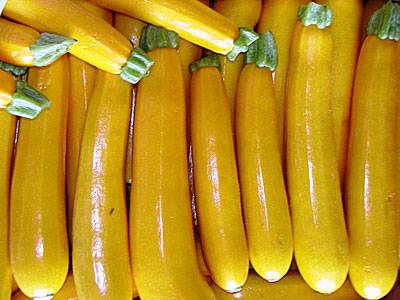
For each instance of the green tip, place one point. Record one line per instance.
(242, 43)
(50, 47)
(211, 60)
(137, 67)
(154, 37)
(263, 52)
(315, 14)
(17, 71)
(27, 102)
(385, 22)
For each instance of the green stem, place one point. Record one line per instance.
(315, 14)
(49, 47)
(242, 43)
(209, 61)
(385, 22)
(137, 66)
(263, 52)
(17, 71)
(27, 102)
(154, 37)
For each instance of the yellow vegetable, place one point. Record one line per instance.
(279, 17)
(20, 296)
(191, 19)
(97, 42)
(38, 235)
(163, 249)
(104, 272)
(68, 291)
(320, 239)
(216, 179)
(7, 128)
(346, 34)
(82, 77)
(371, 190)
(291, 287)
(243, 14)
(265, 204)
(7, 88)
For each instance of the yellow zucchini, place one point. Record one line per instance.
(162, 241)
(265, 204)
(7, 125)
(217, 192)
(82, 77)
(243, 14)
(104, 273)
(291, 287)
(191, 19)
(279, 17)
(68, 291)
(346, 34)
(38, 235)
(320, 238)
(371, 189)
(97, 42)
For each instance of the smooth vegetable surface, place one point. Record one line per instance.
(163, 249)
(265, 206)
(68, 291)
(101, 251)
(371, 179)
(38, 235)
(216, 181)
(279, 17)
(243, 14)
(7, 88)
(320, 238)
(7, 128)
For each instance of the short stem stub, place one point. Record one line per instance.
(242, 43)
(137, 66)
(50, 47)
(154, 37)
(263, 52)
(211, 60)
(385, 22)
(27, 102)
(16, 70)
(316, 14)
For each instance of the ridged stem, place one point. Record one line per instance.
(319, 15)
(241, 44)
(208, 61)
(17, 71)
(263, 52)
(385, 22)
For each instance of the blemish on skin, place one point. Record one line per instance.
(111, 211)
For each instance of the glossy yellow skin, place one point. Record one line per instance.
(191, 19)
(38, 234)
(371, 179)
(68, 291)
(82, 77)
(320, 238)
(370, 7)
(265, 204)
(243, 14)
(280, 16)
(163, 250)
(97, 42)
(15, 40)
(7, 88)
(216, 180)
(346, 34)
(7, 128)
(291, 287)
(104, 271)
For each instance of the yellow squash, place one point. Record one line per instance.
(68, 291)
(82, 77)
(7, 88)
(7, 125)
(291, 287)
(217, 192)
(370, 7)
(38, 235)
(163, 249)
(100, 217)
(191, 19)
(346, 34)
(265, 204)
(320, 239)
(279, 17)
(243, 14)
(371, 190)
